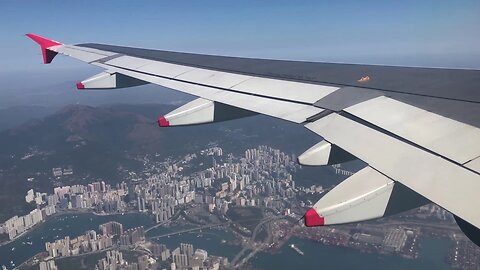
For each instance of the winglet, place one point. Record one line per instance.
(45, 44)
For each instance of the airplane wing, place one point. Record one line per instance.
(416, 128)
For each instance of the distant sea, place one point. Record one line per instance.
(316, 255)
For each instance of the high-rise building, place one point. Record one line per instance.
(30, 196)
(131, 192)
(132, 236)
(233, 184)
(113, 260)
(187, 250)
(103, 187)
(157, 249)
(125, 240)
(48, 265)
(203, 254)
(97, 186)
(180, 260)
(165, 254)
(141, 204)
(143, 262)
(111, 228)
(76, 200)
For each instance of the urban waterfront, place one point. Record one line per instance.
(317, 255)
(242, 207)
(215, 241)
(211, 240)
(58, 227)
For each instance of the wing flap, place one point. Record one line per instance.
(215, 78)
(474, 164)
(449, 138)
(286, 110)
(273, 88)
(169, 70)
(301, 92)
(442, 182)
(297, 92)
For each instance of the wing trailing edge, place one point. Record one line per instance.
(109, 80)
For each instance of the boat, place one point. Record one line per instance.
(297, 249)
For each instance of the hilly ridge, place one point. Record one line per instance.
(96, 141)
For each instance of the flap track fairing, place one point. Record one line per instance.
(202, 111)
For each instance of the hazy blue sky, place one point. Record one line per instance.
(426, 33)
(393, 32)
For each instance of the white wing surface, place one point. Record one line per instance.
(416, 128)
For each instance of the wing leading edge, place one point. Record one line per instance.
(420, 139)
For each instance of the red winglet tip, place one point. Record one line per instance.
(80, 86)
(312, 218)
(45, 43)
(163, 122)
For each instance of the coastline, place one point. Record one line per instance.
(308, 246)
(71, 223)
(59, 214)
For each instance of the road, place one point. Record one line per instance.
(251, 244)
(156, 226)
(175, 216)
(190, 230)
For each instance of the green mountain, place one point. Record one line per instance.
(97, 141)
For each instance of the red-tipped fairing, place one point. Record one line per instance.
(163, 122)
(312, 218)
(80, 86)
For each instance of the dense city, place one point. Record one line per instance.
(253, 195)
